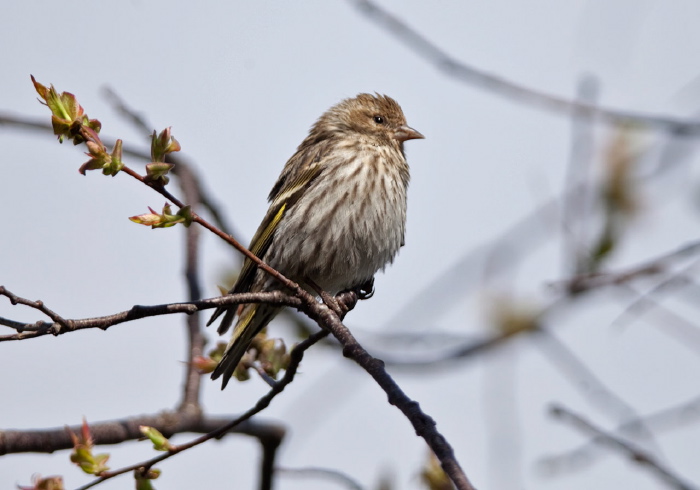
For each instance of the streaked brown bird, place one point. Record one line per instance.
(337, 213)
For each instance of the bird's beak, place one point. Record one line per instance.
(405, 133)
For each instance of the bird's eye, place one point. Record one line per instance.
(379, 119)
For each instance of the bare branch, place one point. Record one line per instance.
(191, 386)
(127, 429)
(296, 355)
(649, 267)
(38, 125)
(665, 319)
(575, 198)
(467, 350)
(669, 418)
(325, 473)
(191, 188)
(195, 337)
(59, 322)
(464, 73)
(423, 424)
(190, 183)
(634, 453)
(26, 331)
(593, 389)
(135, 118)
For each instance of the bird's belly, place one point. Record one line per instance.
(341, 238)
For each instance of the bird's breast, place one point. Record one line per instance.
(349, 223)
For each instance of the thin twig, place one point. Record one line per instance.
(575, 204)
(296, 356)
(191, 187)
(462, 72)
(267, 379)
(195, 336)
(183, 169)
(653, 266)
(592, 388)
(120, 105)
(666, 320)
(325, 473)
(668, 418)
(470, 349)
(634, 453)
(423, 424)
(140, 311)
(40, 306)
(38, 125)
(159, 188)
(669, 284)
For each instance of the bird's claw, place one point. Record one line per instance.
(366, 290)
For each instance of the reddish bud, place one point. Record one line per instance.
(48, 483)
(162, 144)
(93, 464)
(67, 116)
(204, 365)
(165, 219)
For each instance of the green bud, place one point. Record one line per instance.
(160, 442)
(162, 144)
(157, 172)
(68, 119)
(115, 163)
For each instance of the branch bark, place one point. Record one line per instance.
(423, 424)
(41, 328)
(127, 429)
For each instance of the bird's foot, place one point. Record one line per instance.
(366, 290)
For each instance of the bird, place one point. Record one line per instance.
(337, 214)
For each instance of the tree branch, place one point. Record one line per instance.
(191, 188)
(322, 473)
(127, 429)
(669, 418)
(296, 356)
(654, 266)
(464, 73)
(40, 328)
(635, 454)
(195, 337)
(424, 426)
(37, 125)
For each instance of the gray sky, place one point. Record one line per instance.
(240, 83)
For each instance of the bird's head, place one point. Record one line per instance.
(377, 117)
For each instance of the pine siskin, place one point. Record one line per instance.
(337, 213)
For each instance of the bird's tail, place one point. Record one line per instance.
(253, 318)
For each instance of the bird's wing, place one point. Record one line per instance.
(298, 174)
(301, 169)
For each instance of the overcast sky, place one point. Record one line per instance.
(240, 83)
